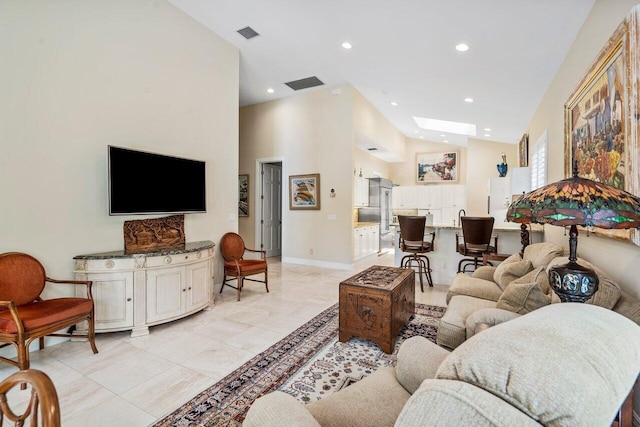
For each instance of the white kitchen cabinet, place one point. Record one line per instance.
(366, 241)
(133, 292)
(454, 196)
(430, 197)
(360, 191)
(405, 197)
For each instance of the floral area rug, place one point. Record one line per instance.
(308, 364)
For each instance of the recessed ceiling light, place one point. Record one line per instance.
(415, 131)
(421, 137)
(395, 104)
(468, 100)
(462, 47)
(270, 90)
(445, 140)
(487, 129)
(346, 45)
(446, 126)
(442, 135)
(487, 135)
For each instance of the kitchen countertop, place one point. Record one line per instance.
(365, 224)
(535, 228)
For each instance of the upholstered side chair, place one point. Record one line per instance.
(25, 316)
(236, 267)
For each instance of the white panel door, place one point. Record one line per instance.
(272, 209)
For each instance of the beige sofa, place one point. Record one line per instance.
(493, 295)
(536, 369)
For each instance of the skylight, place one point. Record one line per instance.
(446, 126)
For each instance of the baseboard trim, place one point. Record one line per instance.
(314, 263)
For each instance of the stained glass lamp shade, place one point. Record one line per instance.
(571, 202)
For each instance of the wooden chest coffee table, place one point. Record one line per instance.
(376, 303)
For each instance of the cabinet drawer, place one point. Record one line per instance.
(172, 260)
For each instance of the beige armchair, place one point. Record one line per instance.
(536, 369)
(492, 295)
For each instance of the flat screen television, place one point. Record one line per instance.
(148, 183)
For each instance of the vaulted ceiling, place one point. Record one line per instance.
(403, 52)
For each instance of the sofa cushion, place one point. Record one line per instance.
(522, 298)
(463, 284)
(418, 359)
(487, 317)
(541, 365)
(628, 306)
(541, 254)
(451, 329)
(454, 403)
(608, 291)
(507, 272)
(359, 404)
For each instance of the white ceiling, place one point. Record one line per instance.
(403, 51)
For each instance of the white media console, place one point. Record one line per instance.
(133, 292)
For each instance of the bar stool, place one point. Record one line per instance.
(412, 241)
(477, 233)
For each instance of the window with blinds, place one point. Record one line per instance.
(538, 162)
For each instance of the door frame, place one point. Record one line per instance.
(258, 205)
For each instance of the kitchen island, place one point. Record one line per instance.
(444, 259)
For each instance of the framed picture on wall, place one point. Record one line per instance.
(243, 195)
(304, 192)
(437, 167)
(523, 151)
(602, 121)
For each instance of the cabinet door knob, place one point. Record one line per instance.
(189, 287)
(128, 299)
(184, 290)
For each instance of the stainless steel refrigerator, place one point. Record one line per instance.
(379, 209)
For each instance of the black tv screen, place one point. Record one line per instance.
(147, 183)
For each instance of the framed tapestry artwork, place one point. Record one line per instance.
(304, 192)
(601, 118)
(523, 151)
(437, 167)
(243, 195)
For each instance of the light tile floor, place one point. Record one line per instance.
(136, 381)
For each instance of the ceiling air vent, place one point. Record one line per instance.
(304, 83)
(248, 33)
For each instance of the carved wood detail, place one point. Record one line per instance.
(151, 235)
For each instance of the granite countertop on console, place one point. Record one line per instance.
(188, 247)
(365, 224)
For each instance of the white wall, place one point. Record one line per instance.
(312, 133)
(619, 259)
(78, 75)
(484, 156)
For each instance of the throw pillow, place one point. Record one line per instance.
(538, 275)
(541, 254)
(507, 272)
(608, 291)
(522, 298)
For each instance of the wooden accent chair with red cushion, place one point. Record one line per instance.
(236, 267)
(25, 316)
(43, 403)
